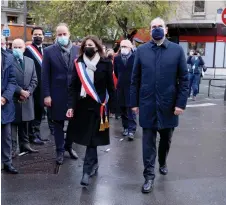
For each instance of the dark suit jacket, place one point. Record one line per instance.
(159, 84)
(123, 74)
(38, 68)
(56, 77)
(8, 86)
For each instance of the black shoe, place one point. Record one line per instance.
(72, 153)
(27, 148)
(37, 141)
(163, 170)
(147, 186)
(94, 170)
(131, 136)
(125, 132)
(60, 158)
(10, 169)
(85, 180)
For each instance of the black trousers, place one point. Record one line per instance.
(149, 149)
(90, 159)
(60, 143)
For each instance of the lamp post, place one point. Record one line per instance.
(25, 21)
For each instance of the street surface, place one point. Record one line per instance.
(197, 166)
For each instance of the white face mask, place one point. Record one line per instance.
(125, 51)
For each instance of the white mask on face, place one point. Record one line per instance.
(125, 51)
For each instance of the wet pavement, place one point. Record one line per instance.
(197, 167)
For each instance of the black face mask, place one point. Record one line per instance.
(37, 40)
(89, 51)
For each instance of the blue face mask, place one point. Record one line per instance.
(63, 40)
(18, 53)
(157, 34)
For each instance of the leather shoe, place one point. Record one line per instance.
(60, 158)
(37, 141)
(163, 170)
(94, 170)
(147, 186)
(125, 132)
(131, 136)
(85, 180)
(72, 153)
(27, 148)
(10, 169)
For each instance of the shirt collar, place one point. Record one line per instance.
(164, 44)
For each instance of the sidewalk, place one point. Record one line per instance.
(197, 168)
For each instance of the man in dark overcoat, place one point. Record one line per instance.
(57, 65)
(8, 86)
(23, 97)
(35, 52)
(159, 90)
(123, 66)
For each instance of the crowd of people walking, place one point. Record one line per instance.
(86, 84)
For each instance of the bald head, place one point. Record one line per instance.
(18, 43)
(62, 30)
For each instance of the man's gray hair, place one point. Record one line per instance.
(158, 19)
(62, 24)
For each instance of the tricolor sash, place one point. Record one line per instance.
(35, 53)
(91, 91)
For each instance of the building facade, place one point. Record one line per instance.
(12, 16)
(198, 25)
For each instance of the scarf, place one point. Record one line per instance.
(90, 69)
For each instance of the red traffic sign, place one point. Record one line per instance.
(223, 16)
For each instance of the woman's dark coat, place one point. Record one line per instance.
(84, 126)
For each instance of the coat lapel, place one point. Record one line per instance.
(72, 57)
(16, 64)
(59, 55)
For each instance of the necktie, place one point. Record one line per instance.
(21, 63)
(40, 49)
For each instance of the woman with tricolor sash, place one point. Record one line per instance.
(90, 90)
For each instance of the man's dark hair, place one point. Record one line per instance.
(37, 28)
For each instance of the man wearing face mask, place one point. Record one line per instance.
(57, 65)
(123, 66)
(23, 97)
(159, 92)
(35, 52)
(196, 64)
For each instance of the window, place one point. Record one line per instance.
(199, 7)
(201, 47)
(12, 19)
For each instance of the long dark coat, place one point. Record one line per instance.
(8, 86)
(159, 84)
(84, 127)
(38, 68)
(56, 77)
(26, 80)
(123, 73)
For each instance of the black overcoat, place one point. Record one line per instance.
(84, 126)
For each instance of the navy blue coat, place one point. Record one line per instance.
(123, 73)
(56, 77)
(159, 84)
(8, 83)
